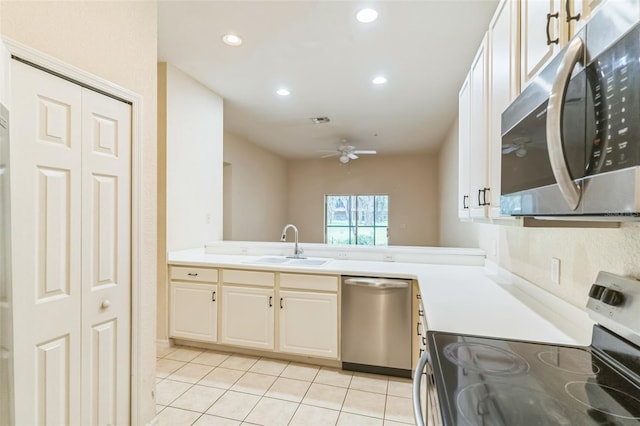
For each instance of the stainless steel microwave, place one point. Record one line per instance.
(571, 139)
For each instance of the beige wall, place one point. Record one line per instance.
(193, 161)
(410, 182)
(189, 172)
(118, 42)
(256, 189)
(528, 251)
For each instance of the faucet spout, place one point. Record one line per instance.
(297, 251)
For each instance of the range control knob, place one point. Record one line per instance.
(612, 297)
(596, 291)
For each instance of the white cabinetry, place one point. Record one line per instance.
(478, 160)
(193, 307)
(472, 138)
(503, 87)
(541, 35)
(308, 320)
(464, 114)
(247, 317)
(546, 26)
(248, 309)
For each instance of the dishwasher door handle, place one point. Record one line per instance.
(376, 282)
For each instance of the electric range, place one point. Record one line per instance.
(491, 381)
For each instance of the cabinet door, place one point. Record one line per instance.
(464, 113)
(503, 87)
(537, 49)
(247, 317)
(579, 12)
(478, 160)
(309, 323)
(193, 311)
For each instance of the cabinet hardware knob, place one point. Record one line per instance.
(465, 202)
(418, 329)
(213, 296)
(192, 274)
(557, 39)
(270, 301)
(281, 306)
(105, 304)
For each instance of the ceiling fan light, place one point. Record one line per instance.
(344, 159)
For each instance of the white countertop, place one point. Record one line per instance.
(463, 299)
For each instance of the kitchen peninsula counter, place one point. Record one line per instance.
(459, 297)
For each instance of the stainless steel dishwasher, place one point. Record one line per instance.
(376, 325)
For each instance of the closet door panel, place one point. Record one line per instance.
(106, 229)
(45, 209)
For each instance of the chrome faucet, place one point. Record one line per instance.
(297, 251)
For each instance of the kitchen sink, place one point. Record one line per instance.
(269, 260)
(309, 262)
(289, 261)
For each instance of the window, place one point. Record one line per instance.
(357, 219)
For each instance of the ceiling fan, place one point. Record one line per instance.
(346, 153)
(518, 145)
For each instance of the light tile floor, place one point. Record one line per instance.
(200, 387)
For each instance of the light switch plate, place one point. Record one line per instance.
(555, 270)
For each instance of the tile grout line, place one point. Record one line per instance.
(264, 394)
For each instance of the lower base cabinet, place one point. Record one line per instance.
(308, 323)
(283, 312)
(247, 317)
(194, 311)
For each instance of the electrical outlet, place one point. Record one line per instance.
(207, 218)
(341, 255)
(389, 258)
(555, 270)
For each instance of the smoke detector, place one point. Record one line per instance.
(320, 120)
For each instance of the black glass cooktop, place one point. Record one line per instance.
(485, 381)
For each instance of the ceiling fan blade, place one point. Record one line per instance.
(508, 149)
(352, 155)
(332, 154)
(365, 151)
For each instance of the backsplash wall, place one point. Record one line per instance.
(527, 252)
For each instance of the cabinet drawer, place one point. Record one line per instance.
(263, 279)
(186, 273)
(309, 282)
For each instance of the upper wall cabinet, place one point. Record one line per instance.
(523, 36)
(478, 160)
(504, 61)
(545, 27)
(473, 109)
(464, 114)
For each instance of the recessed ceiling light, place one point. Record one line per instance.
(283, 92)
(232, 40)
(379, 80)
(366, 16)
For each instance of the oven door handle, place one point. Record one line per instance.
(570, 190)
(417, 379)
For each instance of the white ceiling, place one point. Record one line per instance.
(327, 60)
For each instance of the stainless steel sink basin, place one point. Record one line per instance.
(289, 261)
(269, 260)
(309, 262)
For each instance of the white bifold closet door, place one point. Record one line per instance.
(71, 210)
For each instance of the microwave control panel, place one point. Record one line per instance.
(614, 82)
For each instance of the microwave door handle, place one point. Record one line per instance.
(570, 190)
